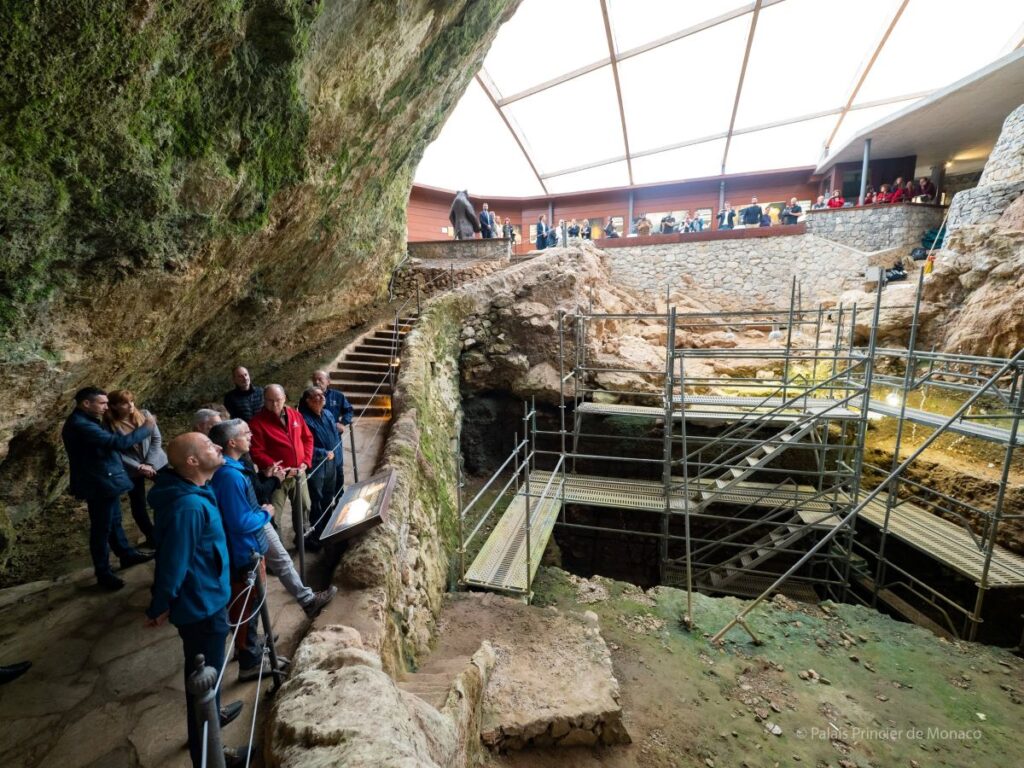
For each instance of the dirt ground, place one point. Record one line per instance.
(836, 686)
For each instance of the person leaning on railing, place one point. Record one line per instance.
(339, 405)
(280, 435)
(323, 425)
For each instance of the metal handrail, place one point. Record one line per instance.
(740, 618)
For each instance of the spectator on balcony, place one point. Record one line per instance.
(695, 224)
(542, 232)
(574, 229)
(766, 218)
(884, 194)
(508, 231)
(751, 215)
(644, 226)
(899, 191)
(910, 191)
(668, 224)
(869, 196)
(926, 190)
(819, 203)
(555, 235)
(727, 217)
(837, 200)
(609, 230)
(791, 213)
(487, 225)
(585, 230)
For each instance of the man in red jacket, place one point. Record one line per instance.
(280, 434)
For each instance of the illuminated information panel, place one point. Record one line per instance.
(363, 506)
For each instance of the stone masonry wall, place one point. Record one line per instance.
(744, 273)
(1001, 182)
(435, 276)
(491, 248)
(876, 227)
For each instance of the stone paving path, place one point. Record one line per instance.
(104, 691)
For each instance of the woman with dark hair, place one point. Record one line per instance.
(326, 445)
(141, 461)
(869, 196)
(898, 194)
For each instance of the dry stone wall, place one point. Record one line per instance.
(743, 273)
(876, 227)
(490, 248)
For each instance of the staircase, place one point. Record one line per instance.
(363, 372)
(755, 459)
(768, 546)
(434, 679)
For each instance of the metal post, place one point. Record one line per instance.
(276, 672)
(908, 376)
(666, 447)
(997, 514)
(202, 687)
(721, 195)
(299, 527)
(527, 521)
(864, 171)
(561, 377)
(352, 443)
(629, 223)
(458, 498)
(789, 340)
(862, 425)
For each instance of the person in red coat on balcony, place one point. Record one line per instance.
(837, 200)
(898, 194)
(280, 434)
(884, 193)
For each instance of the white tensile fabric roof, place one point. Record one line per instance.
(588, 94)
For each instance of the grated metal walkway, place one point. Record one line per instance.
(946, 542)
(970, 428)
(501, 562)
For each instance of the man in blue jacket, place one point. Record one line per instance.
(98, 478)
(339, 405)
(190, 584)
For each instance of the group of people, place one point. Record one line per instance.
(756, 215)
(216, 493)
(923, 191)
(489, 225)
(668, 224)
(552, 237)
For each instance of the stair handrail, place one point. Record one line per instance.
(847, 521)
(751, 426)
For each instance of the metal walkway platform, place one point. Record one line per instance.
(969, 428)
(946, 542)
(501, 562)
(649, 495)
(710, 412)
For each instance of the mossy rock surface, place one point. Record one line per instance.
(194, 184)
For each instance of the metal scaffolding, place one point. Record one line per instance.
(756, 477)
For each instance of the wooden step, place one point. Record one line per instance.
(355, 387)
(360, 399)
(368, 357)
(363, 376)
(364, 365)
(373, 411)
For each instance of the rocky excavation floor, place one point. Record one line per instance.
(837, 686)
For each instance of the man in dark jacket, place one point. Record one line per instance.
(191, 585)
(343, 412)
(246, 399)
(751, 215)
(326, 448)
(98, 478)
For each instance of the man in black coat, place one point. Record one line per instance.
(246, 399)
(98, 478)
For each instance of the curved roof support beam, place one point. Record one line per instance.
(492, 95)
(864, 73)
(618, 87)
(739, 84)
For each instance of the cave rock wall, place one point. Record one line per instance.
(976, 291)
(193, 184)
